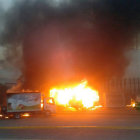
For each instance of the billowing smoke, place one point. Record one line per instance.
(72, 40)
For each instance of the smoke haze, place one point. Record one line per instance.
(70, 41)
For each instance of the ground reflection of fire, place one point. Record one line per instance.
(79, 96)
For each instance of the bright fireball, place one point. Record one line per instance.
(77, 95)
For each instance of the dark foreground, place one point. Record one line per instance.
(118, 124)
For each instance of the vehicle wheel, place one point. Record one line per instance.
(17, 116)
(47, 113)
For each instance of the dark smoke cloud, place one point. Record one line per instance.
(72, 41)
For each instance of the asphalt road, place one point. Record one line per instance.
(108, 124)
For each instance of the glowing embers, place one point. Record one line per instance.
(79, 96)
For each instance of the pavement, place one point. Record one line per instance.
(102, 124)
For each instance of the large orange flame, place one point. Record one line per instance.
(80, 95)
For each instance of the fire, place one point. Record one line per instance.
(26, 115)
(78, 96)
(133, 105)
(42, 103)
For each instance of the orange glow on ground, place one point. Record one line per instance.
(76, 96)
(26, 115)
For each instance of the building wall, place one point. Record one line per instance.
(133, 70)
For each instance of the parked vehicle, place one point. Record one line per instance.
(19, 104)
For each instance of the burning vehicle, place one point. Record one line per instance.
(78, 96)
